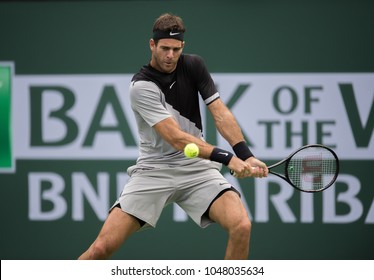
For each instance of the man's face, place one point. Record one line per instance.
(165, 54)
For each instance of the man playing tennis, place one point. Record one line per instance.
(164, 96)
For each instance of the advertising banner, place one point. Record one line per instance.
(67, 140)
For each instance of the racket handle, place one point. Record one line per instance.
(233, 173)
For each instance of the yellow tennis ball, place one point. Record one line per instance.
(191, 150)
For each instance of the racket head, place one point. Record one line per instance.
(312, 168)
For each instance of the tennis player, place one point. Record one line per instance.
(165, 96)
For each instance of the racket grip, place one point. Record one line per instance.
(233, 173)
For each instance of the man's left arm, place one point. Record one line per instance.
(228, 127)
(225, 122)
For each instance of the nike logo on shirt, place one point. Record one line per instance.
(172, 84)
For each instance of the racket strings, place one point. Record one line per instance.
(312, 169)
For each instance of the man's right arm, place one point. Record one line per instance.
(170, 131)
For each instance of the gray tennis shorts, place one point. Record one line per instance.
(193, 187)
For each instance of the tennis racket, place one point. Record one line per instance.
(311, 168)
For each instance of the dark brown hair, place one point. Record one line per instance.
(169, 22)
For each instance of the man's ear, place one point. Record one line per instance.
(152, 44)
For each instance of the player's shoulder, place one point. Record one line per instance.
(192, 59)
(193, 63)
(141, 85)
(141, 90)
(144, 73)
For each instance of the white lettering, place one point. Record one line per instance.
(306, 207)
(47, 200)
(38, 194)
(178, 214)
(279, 200)
(370, 217)
(349, 198)
(82, 188)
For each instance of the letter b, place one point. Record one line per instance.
(37, 94)
(52, 195)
